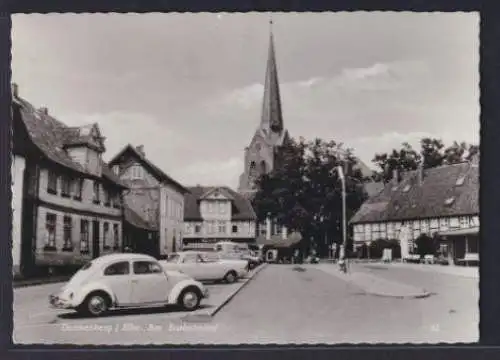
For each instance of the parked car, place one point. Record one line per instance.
(202, 267)
(231, 250)
(127, 280)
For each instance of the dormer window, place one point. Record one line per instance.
(460, 180)
(449, 201)
(136, 172)
(407, 188)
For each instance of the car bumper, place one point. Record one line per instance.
(58, 303)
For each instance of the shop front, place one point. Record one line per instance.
(460, 246)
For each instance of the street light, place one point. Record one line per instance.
(340, 172)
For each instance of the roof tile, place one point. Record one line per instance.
(426, 200)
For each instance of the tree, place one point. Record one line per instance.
(304, 192)
(402, 160)
(427, 245)
(432, 153)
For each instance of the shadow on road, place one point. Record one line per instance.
(129, 312)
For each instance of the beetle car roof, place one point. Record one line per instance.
(121, 256)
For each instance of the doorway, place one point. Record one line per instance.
(96, 249)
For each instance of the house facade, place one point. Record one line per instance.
(67, 203)
(440, 201)
(155, 198)
(214, 214)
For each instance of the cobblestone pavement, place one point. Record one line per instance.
(288, 304)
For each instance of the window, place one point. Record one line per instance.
(222, 207)
(67, 234)
(50, 228)
(77, 189)
(235, 229)
(465, 221)
(146, 267)
(52, 183)
(190, 258)
(116, 235)
(105, 241)
(136, 172)
(197, 229)
(119, 268)
(222, 228)
(210, 207)
(107, 196)
(97, 193)
(65, 186)
(454, 223)
(449, 201)
(84, 236)
(116, 200)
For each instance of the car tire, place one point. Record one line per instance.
(231, 277)
(189, 299)
(95, 304)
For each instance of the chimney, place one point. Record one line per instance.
(44, 110)
(15, 90)
(140, 150)
(420, 174)
(395, 177)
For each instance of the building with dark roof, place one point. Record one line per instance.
(443, 200)
(67, 202)
(216, 213)
(154, 203)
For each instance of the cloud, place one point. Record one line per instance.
(213, 172)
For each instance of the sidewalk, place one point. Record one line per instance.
(471, 272)
(374, 285)
(39, 281)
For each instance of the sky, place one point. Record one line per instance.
(189, 87)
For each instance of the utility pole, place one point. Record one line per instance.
(344, 220)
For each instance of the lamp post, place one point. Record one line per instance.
(340, 172)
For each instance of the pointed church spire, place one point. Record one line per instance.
(272, 118)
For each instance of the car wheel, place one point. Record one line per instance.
(230, 277)
(95, 304)
(189, 299)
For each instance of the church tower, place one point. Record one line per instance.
(261, 154)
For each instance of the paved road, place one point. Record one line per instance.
(282, 305)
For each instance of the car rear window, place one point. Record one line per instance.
(119, 268)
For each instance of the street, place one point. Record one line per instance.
(281, 304)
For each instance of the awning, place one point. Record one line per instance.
(460, 232)
(278, 241)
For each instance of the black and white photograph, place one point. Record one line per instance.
(245, 178)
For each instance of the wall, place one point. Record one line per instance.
(43, 257)
(246, 229)
(390, 230)
(171, 219)
(85, 204)
(17, 174)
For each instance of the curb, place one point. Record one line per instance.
(345, 277)
(236, 291)
(28, 283)
(424, 295)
